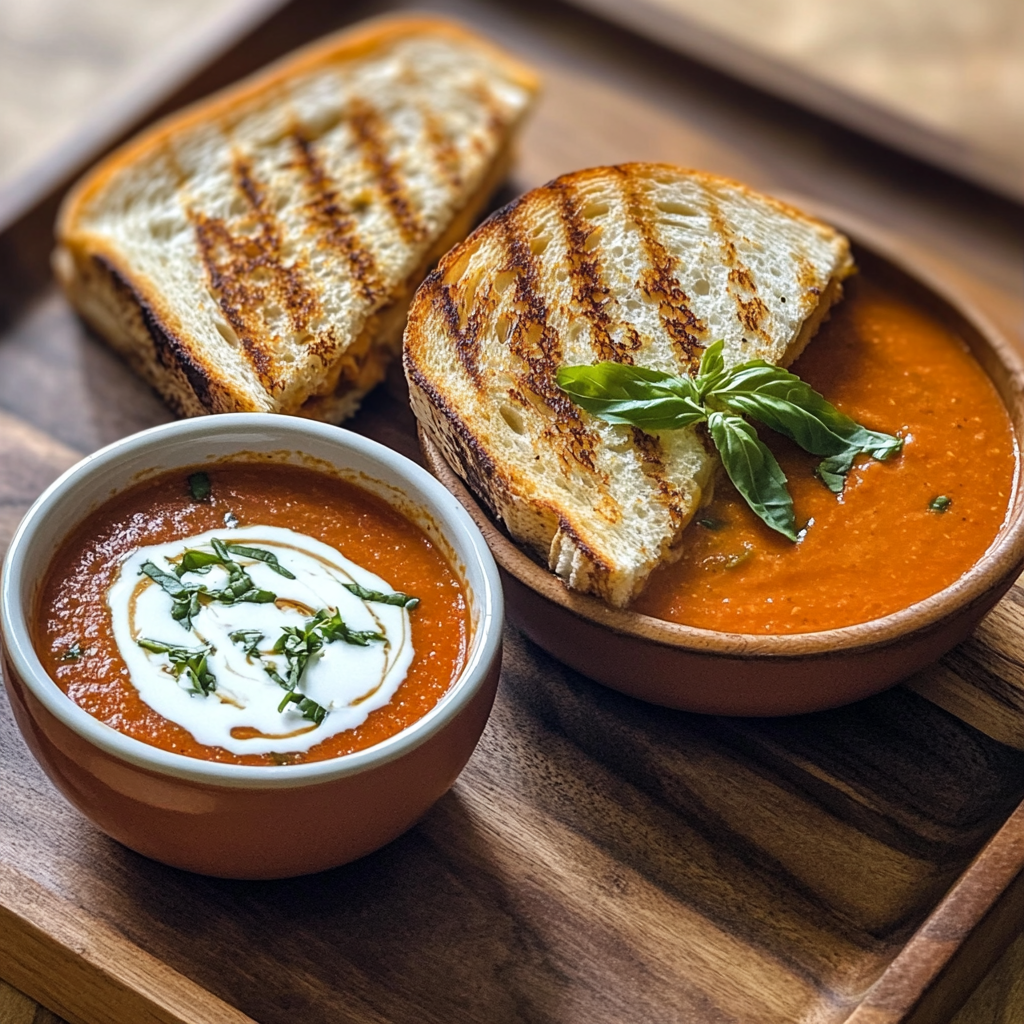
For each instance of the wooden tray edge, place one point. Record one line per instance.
(88, 973)
(959, 942)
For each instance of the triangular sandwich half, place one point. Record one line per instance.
(257, 252)
(642, 263)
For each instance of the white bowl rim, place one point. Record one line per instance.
(455, 523)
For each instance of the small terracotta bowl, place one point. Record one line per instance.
(241, 821)
(733, 674)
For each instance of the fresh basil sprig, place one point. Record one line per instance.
(720, 397)
(189, 662)
(643, 398)
(753, 470)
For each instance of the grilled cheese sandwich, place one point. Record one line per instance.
(257, 252)
(641, 263)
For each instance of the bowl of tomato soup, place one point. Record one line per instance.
(250, 646)
(885, 578)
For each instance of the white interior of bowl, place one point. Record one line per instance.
(192, 442)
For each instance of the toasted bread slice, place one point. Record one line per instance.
(258, 251)
(644, 264)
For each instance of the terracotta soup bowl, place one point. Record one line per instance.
(235, 820)
(702, 670)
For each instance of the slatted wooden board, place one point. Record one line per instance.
(599, 860)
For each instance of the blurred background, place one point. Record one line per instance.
(942, 79)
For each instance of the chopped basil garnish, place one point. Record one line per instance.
(189, 662)
(199, 485)
(940, 503)
(184, 596)
(248, 640)
(196, 561)
(258, 554)
(332, 627)
(298, 645)
(187, 598)
(395, 598)
(720, 397)
(309, 708)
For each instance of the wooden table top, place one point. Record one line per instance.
(610, 97)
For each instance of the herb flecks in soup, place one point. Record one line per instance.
(272, 615)
(901, 530)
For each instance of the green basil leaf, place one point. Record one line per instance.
(712, 362)
(635, 395)
(165, 580)
(310, 709)
(333, 627)
(190, 662)
(196, 561)
(256, 596)
(199, 485)
(395, 597)
(754, 472)
(248, 640)
(832, 471)
(259, 555)
(782, 401)
(940, 503)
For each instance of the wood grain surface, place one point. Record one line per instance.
(600, 859)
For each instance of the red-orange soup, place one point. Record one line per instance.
(878, 547)
(72, 613)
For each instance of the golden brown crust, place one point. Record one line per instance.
(342, 46)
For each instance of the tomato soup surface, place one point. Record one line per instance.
(883, 543)
(74, 627)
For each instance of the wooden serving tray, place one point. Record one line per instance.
(600, 860)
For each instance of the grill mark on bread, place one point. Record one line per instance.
(648, 449)
(751, 310)
(599, 566)
(234, 264)
(369, 129)
(444, 151)
(659, 280)
(466, 336)
(496, 121)
(589, 292)
(337, 226)
(169, 351)
(536, 342)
